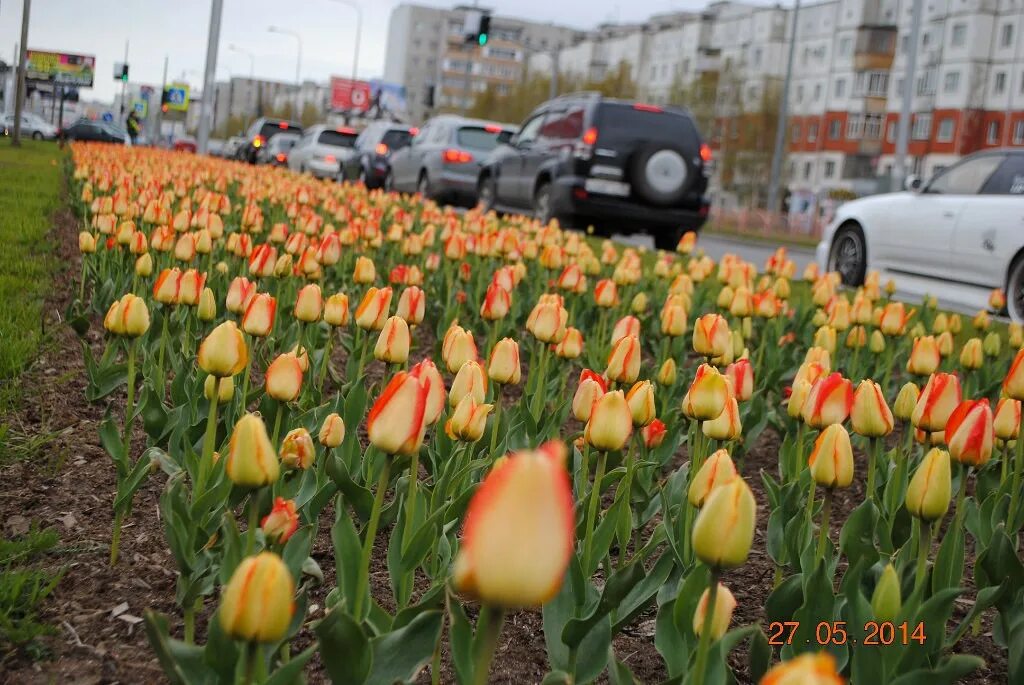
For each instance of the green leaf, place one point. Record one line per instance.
(344, 648)
(399, 655)
(359, 497)
(460, 641)
(949, 672)
(297, 549)
(857, 537)
(592, 654)
(643, 593)
(183, 664)
(760, 656)
(110, 438)
(615, 590)
(348, 550)
(291, 672)
(127, 488)
(949, 561)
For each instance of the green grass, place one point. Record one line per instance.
(29, 194)
(23, 588)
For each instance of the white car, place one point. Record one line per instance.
(32, 125)
(957, 236)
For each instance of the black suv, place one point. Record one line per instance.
(373, 149)
(620, 166)
(259, 134)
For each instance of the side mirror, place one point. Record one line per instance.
(504, 137)
(913, 183)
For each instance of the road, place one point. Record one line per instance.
(717, 246)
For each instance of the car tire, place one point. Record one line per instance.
(485, 193)
(423, 186)
(1015, 290)
(36, 135)
(667, 238)
(848, 255)
(660, 174)
(542, 203)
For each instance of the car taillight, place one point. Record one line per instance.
(584, 148)
(282, 157)
(257, 141)
(705, 153)
(453, 156)
(330, 159)
(414, 131)
(283, 125)
(492, 128)
(381, 149)
(646, 108)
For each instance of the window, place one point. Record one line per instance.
(922, 127)
(926, 82)
(890, 132)
(807, 170)
(946, 128)
(871, 83)
(873, 126)
(845, 46)
(854, 126)
(965, 178)
(528, 133)
(951, 82)
(834, 129)
(959, 35)
(1006, 36)
(904, 42)
(817, 92)
(796, 132)
(1000, 84)
(564, 124)
(800, 93)
(812, 132)
(1008, 178)
(840, 87)
(1018, 133)
(992, 133)
(830, 169)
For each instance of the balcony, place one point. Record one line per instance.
(875, 48)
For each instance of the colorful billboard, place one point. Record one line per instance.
(362, 96)
(60, 68)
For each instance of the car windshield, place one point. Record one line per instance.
(478, 137)
(338, 138)
(272, 128)
(396, 138)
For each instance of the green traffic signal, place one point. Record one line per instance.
(482, 39)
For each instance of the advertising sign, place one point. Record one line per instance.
(60, 67)
(361, 96)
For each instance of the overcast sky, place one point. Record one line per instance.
(178, 29)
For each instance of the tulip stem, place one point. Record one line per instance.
(362, 582)
(326, 362)
(1018, 464)
(584, 472)
(410, 501)
(115, 539)
(700, 665)
(278, 416)
(923, 544)
(538, 393)
(873, 454)
(595, 497)
(209, 442)
(163, 347)
(129, 411)
(248, 373)
(497, 419)
(826, 513)
(958, 517)
(490, 622)
(254, 517)
(81, 282)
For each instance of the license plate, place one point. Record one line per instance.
(606, 187)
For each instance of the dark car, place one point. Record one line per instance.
(275, 152)
(373, 150)
(96, 131)
(260, 133)
(444, 159)
(620, 166)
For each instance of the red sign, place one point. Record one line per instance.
(350, 95)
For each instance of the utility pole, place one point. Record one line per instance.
(19, 86)
(554, 72)
(899, 167)
(209, 77)
(124, 83)
(780, 129)
(158, 133)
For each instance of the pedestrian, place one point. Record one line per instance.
(134, 126)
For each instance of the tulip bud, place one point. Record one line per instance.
(297, 451)
(969, 433)
(906, 401)
(741, 375)
(336, 310)
(639, 303)
(503, 365)
(590, 389)
(877, 342)
(667, 373)
(724, 529)
(717, 470)
(309, 304)
(725, 295)
(364, 271)
(134, 316)
(1007, 419)
(606, 293)
(223, 352)
(397, 421)
(972, 355)
(468, 421)
(610, 422)
(221, 389)
(930, 488)
(252, 461)
(831, 461)
(993, 344)
(870, 415)
(945, 344)
(282, 521)
(711, 337)
(258, 319)
(721, 614)
(641, 403)
(496, 304)
(1015, 335)
(571, 346)
(332, 432)
(829, 401)
(457, 348)
(393, 342)
(207, 310)
(547, 322)
(825, 337)
(412, 305)
(518, 531)
(981, 321)
(627, 326)
(924, 356)
(937, 401)
(258, 602)
(806, 669)
(654, 433)
(1013, 383)
(726, 426)
(374, 308)
(673, 320)
(470, 380)
(86, 242)
(624, 360)
(886, 601)
(284, 378)
(797, 398)
(167, 285)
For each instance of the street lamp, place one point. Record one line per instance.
(298, 64)
(245, 53)
(359, 30)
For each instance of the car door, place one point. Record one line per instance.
(990, 229)
(403, 171)
(510, 182)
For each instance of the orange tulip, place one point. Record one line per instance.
(258, 602)
(297, 451)
(930, 488)
(924, 356)
(590, 389)
(364, 271)
(1007, 419)
(707, 396)
(282, 521)
(393, 342)
(654, 433)
(309, 304)
(336, 311)
(829, 401)
(470, 380)
(937, 401)
(503, 364)
(373, 310)
(624, 360)
(397, 421)
(894, 318)
(572, 279)
(468, 421)
(240, 291)
(258, 319)
(721, 613)
(1013, 384)
(252, 461)
(457, 348)
(711, 337)
(571, 346)
(223, 352)
(332, 432)
(606, 293)
(726, 426)
(970, 432)
(724, 529)
(547, 322)
(496, 304)
(262, 260)
(806, 669)
(284, 378)
(741, 375)
(167, 287)
(674, 321)
(870, 415)
(718, 469)
(831, 460)
(610, 423)
(640, 399)
(412, 305)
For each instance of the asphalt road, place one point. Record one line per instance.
(718, 246)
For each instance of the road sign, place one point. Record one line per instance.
(141, 108)
(108, 117)
(176, 97)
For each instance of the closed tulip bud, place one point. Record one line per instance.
(856, 338)
(503, 365)
(204, 242)
(1015, 335)
(654, 433)
(707, 396)
(924, 356)
(144, 265)
(624, 360)
(284, 378)
(831, 460)
(610, 423)
(937, 401)
(981, 321)
(741, 375)
(797, 398)
(918, 331)
(726, 426)
(167, 286)
(970, 432)
(931, 488)
(886, 600)
(547, 322)
(297, 451)
(134, 316)
(220, 389)
(806, 669)
(742, 303)
(571, 346)
(282, 521)
(725, 295)
(309, 304)
(112, 321)
(364, 271)
(397, 421)
(207, 309)
(258, 602)
(457, 348)
(673, 320)
(825, 337)
(190, 287)
(721, 613)
(717, 470)
(1013, 383)
(894, 319)
(641, 403)
(468, 421)
(373, 310)
(870, 415)
(252, 461)
(686, 243)
(496, 304)
(436, 394)
(336, 311)
(393, 342)
(724, 529)
(711, 336)
(606, 293)
(972, 355)
(993, 344)
(86, 242)
(667, 373)
(258, 319)
(639, 303)
(518, 533)
(470, 380)
(997, 300)
(1007, 419)
(412, 305)
(283, 266)
(877, 342)
(906, 401)
(223, 352)
(332, 432)
(627, 326)
(590, 389)
(829, 401)
(945, 344)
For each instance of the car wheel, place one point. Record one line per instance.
(36, 135)
(423, 186)
(485, 194)
(542, 203)
(848, 255)
(1015, 290)
(667, 238)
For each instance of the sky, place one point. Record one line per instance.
(178, 29)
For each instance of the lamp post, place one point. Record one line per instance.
(250, 105)
(298, 65)
(359, 30)
(245, 53)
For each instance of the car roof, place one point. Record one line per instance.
(467, 121)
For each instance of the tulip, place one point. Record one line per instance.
(282, 521)
(496, 304)
(726, 426)
(924, 356)
(374, 308)
(223, 352)
(571, 346)
(992, 344)
(284, 378)
(870, 415)
(711, 336)
(625, 327)
(906, 401)
(741, 375)
(797, 398)
(831, 460)
(972, 355)
(937, 401)
(258, 319)
(825, 337)
(1013, 383)
(167, 286)
(503, 365)
(252, 461)
(877, 342)
(945, 344)
(207, 309)
(393, 342)
(806, 669)
(640, 399)
(219, 389)
(144, 265)
(725, 296)
(857, 337)
(721, 613)
(997, 300)
(547, 322)
(829, 401)
(185, 248)
(674, 321)
(457, 348)
(297, 451)
(667, 373)
(717, 470)
(1015, 335)
(336, 311)
(724, 529)
(468, 421)
(332, 432)
(309, 304)
(654, 433)
(639, 303)
(930, 488)
(981, 320)
(397, 420)
(412, 304)
(886, 601)
(86, 242)
(572, 279)
(940, 324)
(969, 433)
(470, 380)
(518, 532)
(606, 293)
(742, 304)
(435, 389)
(364, 271)
(819, 356)
(610, 422)
(624, 360)
(1007, 419)
(134, 316)
(258, 602)
(590, 389)
(240, 290)
(707, 396)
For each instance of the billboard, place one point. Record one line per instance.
(362, 96)
(60, 68)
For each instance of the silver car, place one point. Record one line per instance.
(32, 125)
(321, 150)
(443, 161)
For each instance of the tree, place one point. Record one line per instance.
(310, 114)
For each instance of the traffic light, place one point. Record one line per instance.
(476, 27)
(485, 30)
(121, 72)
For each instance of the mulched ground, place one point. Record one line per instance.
(96, 610)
